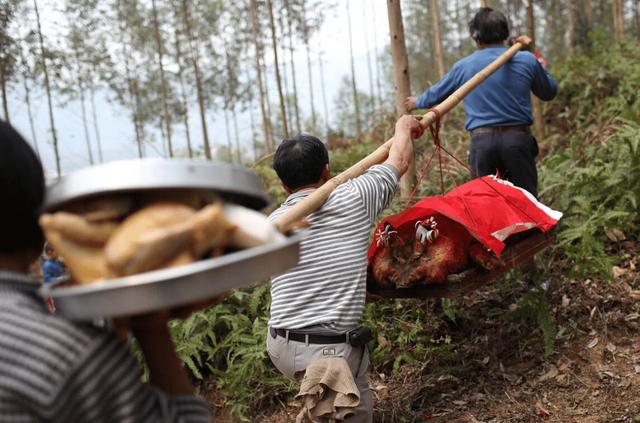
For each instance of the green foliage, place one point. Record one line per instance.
(227, 341)
(593, 175)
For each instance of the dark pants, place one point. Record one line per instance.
(509, 154)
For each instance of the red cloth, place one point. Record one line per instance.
(491, 209)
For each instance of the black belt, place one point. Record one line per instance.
(500, 129)
(309, 337)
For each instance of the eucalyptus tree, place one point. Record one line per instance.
(45, 70)
(283, 112)
(194, 56)
(256, 34)
(9, 50)
(356, 105)
(290, 36)
(159, 41)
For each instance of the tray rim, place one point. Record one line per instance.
(159, 276)
(252, 192)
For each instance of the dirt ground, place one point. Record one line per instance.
(501, 373)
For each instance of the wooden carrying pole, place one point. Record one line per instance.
(318, 197)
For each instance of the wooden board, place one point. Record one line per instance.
(513, 255)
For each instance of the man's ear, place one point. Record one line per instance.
(285, 188)
(326, 173)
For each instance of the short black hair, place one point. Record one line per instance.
(22, 191)
(489, 26)
(299, 161)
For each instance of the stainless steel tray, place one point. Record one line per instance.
(233, 183)
(168, 288)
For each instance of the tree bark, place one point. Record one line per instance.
(296, 109)
(96, 130)
(196, 70)
(163, 82)
(83, 109)
(377, 58)
(401, 79)
(369, 69)
(265, 72)
(356, 106)
(256, 44)
(305, 32)
(283, 112)
(27, 100)
(234, 118)
(228, 134)
(437, 40)
(538, 120)
(571, 26)
(618, 19)
(130, 83)
(324, 97)
(183, 93)
(3, 83)
(48, 90)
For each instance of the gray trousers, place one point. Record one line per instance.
(292, 359)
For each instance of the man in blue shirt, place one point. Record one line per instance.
(499, 110)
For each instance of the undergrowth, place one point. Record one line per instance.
(591, 172)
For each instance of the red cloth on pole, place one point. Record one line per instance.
(491, 209)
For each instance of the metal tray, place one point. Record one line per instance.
(168, 288)
(233, 183)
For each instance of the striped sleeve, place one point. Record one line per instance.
(107, 386)
(376, 188)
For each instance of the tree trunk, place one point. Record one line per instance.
(571, 26)
(95, 124)
(196, 70)
(356, 106)
(265, 72)
(234, 118)
(130, 83)
(27, 100)
(324, 97)
(163, 82)
(274, 45)
(137, 119)
(227, 133)
(306, 44)
(256, 44)
(401, 79)
(538, 122)
(252, 123)
(283, 55)
(85, 125)
(48, 90)
(3, 83)
(618, 19)
(437, 40)
(377, 58)
(183, 93)
(369, 69)
(588, 10)
(293, 67)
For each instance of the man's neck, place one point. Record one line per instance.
(482, 46)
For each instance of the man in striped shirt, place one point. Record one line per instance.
(54, 370)
(317, 302)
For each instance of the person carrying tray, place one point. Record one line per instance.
(55, 370)
(317, 305)
(498, 110)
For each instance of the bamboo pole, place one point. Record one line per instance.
(318, 197)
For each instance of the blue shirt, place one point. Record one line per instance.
(504, 98)
(52, 269)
